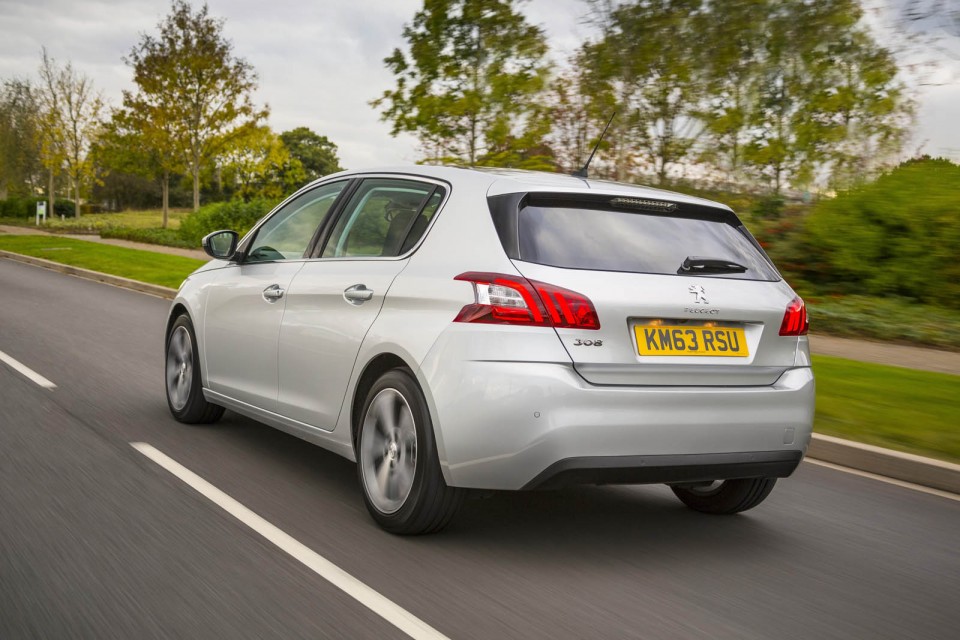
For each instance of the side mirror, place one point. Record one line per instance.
(221, 245)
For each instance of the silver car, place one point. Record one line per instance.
(453, 329)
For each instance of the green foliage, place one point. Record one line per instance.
(776, 91)
(904, 409)
(260, 166)
(235, 214)
(19, 137)
(149, 235)
(21, 208)
(886, 319)
(316, 153)
(468, 85)
(899, 235)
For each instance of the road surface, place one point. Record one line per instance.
(97, 541)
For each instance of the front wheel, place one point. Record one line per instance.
(182, 376)
(397, 460)
(725, 496)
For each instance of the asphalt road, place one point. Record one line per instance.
(97, 541)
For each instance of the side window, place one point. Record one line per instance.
(384, 218)
(287, 233)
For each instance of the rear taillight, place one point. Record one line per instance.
(505, 299)
(795, 321)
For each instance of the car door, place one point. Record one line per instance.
(245, 304)
(334, 299)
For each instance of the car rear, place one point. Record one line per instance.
(633, 338)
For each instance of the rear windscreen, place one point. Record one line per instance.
(608, 240)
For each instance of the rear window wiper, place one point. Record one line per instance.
(698, 264)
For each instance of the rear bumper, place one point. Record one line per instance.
(518, 425)
(697, 467)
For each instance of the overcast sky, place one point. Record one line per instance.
(321, 62)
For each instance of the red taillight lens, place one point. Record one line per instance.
(504, 299)
(795, 321)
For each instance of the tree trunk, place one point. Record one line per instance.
(165, 189)
(50, 195)
(76, 201)
(196, 186)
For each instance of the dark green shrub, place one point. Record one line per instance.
(236, 215)
(65, 208)
(898, 236)
(167, 237)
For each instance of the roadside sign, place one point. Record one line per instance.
(41, 211)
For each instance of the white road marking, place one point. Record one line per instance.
(26, 371)
(893, 481)
(388, 610)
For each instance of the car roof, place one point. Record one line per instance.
(497, 181)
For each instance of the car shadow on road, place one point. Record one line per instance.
(584, 524)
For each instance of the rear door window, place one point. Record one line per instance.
(636, 241)
(385, 217)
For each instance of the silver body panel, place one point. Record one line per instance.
(506, 402)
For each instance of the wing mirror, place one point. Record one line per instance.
(221, 245)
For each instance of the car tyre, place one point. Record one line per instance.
(727, 496)
(182, 376)
(397, 461)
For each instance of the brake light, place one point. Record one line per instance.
(505, 299)
(795, 322)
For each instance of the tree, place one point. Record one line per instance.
(262, 166)
(71, 120)
(784, 91)
(469, 83)
(316, 153)
(19, 138)
(190, 79)
(648, 60)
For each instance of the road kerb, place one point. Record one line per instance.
(926, 472)
(117, 281)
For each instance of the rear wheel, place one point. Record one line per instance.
(182, 376)
(397, 461)
(725, 496)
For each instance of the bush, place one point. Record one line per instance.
(167, 237)
(888, 319)
(27, 207)
(898, 236)
(236, 214)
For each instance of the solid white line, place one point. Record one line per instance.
(893, 481)
(388, 610)
(26, 371)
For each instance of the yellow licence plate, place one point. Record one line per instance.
(667, 340)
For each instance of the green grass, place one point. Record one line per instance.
(145, 266)
(905, 409)
(92, 222)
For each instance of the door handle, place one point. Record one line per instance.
(357, 294)
(273, 293)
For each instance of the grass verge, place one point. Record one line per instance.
(903, 409)
(136, 264)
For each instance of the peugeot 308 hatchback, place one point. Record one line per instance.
(453, 329)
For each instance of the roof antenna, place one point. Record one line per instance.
(582, 171)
